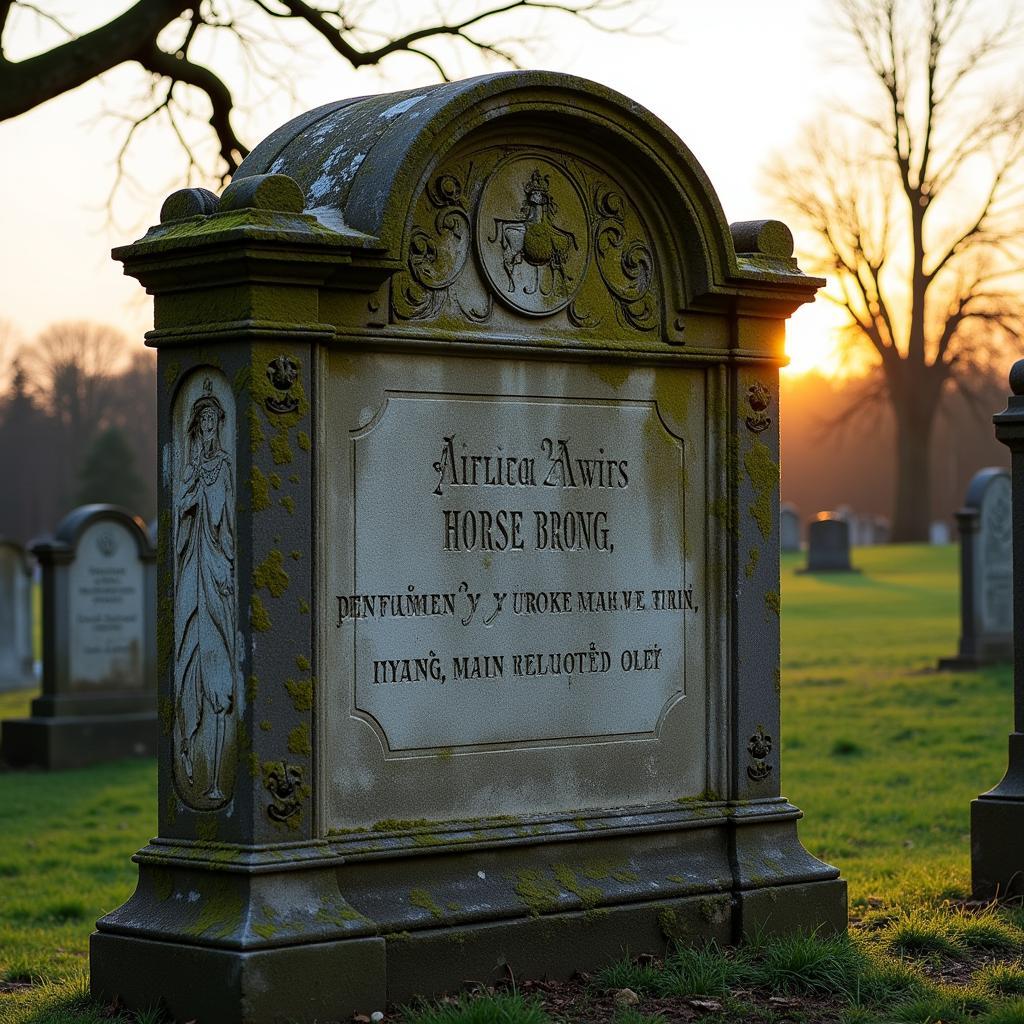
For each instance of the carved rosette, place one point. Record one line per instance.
(759, 746)
(207, 650)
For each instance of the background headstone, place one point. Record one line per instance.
(938, 532)
(985, 525)
(789, 528)
(828, 545)
(98, 701)
(453, 659)
(16, 657)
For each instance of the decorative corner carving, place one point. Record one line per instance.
(759, 398)
(284, 783)
(759, 746)
(437, 257)
(282, 372)
(207, 644)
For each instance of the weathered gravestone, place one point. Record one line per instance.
(997, 817)
(98, 701)
(469, 560)
(16, 661)
(789, 528)
(828, 545)
(986, 572)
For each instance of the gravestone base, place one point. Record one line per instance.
(61, 744)
(370, 918)
(997, 822)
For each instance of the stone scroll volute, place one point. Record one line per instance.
(207, 641)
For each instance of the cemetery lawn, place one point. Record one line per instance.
(883, 754)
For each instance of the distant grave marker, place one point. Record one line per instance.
(828, 545)
(98, 701)
(789, 528)
(469, 561)
(986, 572)
(16, 660)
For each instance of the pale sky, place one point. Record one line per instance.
(734, 78)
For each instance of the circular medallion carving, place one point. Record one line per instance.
(532, 235)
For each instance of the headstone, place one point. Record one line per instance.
(451, 472)
(828, 545)
(882, 530)
(986, 572)
(789, 528)
(98, 701)
(938, 532)
(16, 661)
(997, 817)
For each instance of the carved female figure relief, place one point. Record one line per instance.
(206, 643)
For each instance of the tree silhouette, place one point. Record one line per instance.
(183, 49)
(913, 204)
(108, 472)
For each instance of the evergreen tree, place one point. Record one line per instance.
(108, 473)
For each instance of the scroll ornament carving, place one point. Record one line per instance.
(207, 645)
(284, 783)
(626, 264)
(437, 256)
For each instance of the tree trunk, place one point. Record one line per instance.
(915, 417)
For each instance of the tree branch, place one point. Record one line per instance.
(28, 83)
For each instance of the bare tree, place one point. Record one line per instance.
(914, 204)
(168, 40)
(69, 368)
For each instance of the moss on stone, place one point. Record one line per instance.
(275, 481)
(280, 449)
(303, 606)
(220, 913)
(296, 555)
(298, 740)
(165, 712)
(252, 686)
(301, 693)
(206, 828)
(241, 379)
(427, 839)
(260, 490)
(538, 893)
(753, 557)
(171, 372)
(445, 754)
(399, 824)
(421, 898)
(254, 765)
(764, 476)
(255, 429)
(266, 725)
(258, 617)
(288, 504)
(271, 575)
(303, 441)
(773, 601)
(302, 662)
(673, 927)
(599, 870)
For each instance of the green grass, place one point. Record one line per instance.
(883, 754)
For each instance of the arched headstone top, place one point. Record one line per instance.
(362, 160)
(980, 483)
(75, 523)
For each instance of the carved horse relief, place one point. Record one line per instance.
(207, 643)
(535, 254)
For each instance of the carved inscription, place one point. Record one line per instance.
(107, 600)
(207, 644)
(528, 582)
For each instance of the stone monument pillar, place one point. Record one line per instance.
(469, 561)
(16, 660)
(98, 701)
(997, 817)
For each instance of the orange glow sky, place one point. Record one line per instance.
(734, 78)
